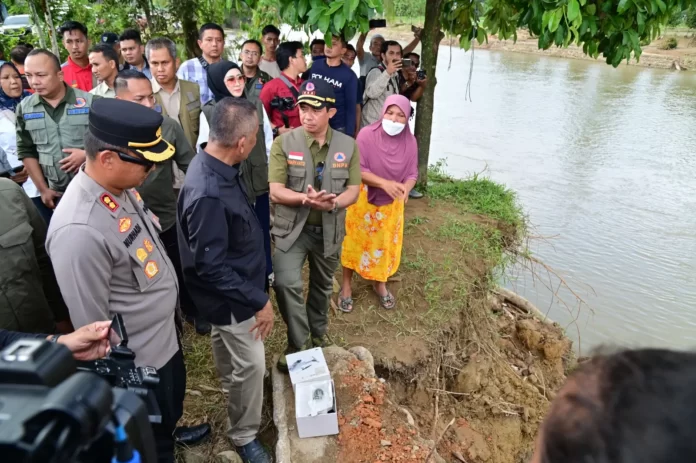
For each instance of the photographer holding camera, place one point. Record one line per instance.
(279, 96)
(412, 80)
(105, 247)
(382, 82)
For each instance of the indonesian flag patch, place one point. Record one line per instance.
(296, 156)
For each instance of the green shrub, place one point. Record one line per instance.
(690, 18)
(669, 44)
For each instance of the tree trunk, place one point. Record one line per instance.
(37, 22)
(186, 10)
(52, 31)
(426, 105)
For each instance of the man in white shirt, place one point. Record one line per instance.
(104, 61)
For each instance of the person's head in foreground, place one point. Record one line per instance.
(635, 406)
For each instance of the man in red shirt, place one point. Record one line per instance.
(279, 96)
(77, 72)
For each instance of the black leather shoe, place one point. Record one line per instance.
(202, 327)
(189, 436)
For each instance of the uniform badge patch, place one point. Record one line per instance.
(151, 269)
(296, 156)
(148, 245)
(136, 194)
(80, 102)
(310, 87)
(141, 254)
(109, 202)
(339, 157)
(30, 116)
(124, 224)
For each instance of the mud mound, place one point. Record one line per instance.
(497, 397)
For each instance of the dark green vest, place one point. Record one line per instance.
(254, 86)
(255, 169)
(289, 221)
(50, 138)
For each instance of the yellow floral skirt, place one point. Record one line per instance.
(374, 238)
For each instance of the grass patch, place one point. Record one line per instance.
(481, 241)
(477, 195)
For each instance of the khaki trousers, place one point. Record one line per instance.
(240, 362)
(312, 317)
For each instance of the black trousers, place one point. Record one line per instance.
(170, 241)
(170, 397)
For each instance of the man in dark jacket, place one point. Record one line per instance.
(224, 264)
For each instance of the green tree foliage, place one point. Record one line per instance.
(690, 18)
(332, 17)
(613, 29)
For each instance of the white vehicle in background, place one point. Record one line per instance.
(19, 25)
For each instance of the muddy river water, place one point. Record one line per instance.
(604, 163)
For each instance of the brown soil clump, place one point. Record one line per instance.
(371, 428)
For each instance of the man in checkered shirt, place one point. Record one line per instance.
(211, 40)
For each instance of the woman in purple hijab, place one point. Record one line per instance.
(375, 224)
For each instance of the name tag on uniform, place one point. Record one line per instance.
(30, 116)
(259, 86)
(339, 165)
(72, 112)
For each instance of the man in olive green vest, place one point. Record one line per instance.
(157, 190)
(50, 126)
(30, 300)
(176, 98)
(314, 175)
(255, 77)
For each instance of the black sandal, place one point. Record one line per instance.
(388, 302)
(345, 304)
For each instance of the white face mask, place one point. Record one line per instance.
(392, 128)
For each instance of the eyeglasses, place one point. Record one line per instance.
(250, 53)
(132, 159)
(320, 174)
(236, 78)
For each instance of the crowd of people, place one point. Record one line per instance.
(168, 192)
(173, 192)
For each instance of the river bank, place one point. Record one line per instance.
(653, 56)
(451, 351)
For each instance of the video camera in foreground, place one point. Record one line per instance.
(54, 411)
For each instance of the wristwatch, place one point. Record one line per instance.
(335, 209)
(54, 338)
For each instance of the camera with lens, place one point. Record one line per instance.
(283, 103)
(52, 410)
(420, 75)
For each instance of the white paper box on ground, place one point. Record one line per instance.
(314, 426)
(307, 365)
